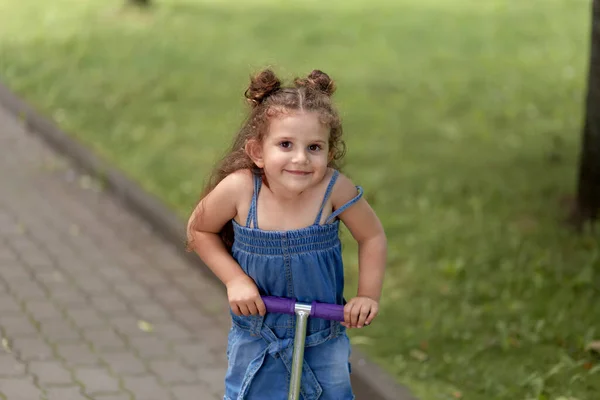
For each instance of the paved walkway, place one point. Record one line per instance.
(93, 305)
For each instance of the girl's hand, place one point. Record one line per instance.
(360, 311)
(244, 297)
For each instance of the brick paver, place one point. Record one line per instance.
(93, 304)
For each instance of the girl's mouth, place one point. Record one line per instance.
(301, 173)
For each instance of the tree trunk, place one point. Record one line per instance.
(588, 193)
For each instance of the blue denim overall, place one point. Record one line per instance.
(305, 264)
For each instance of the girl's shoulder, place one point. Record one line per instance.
(236, 186)
(239, 180)
(343, 190)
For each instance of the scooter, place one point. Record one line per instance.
(303, 311)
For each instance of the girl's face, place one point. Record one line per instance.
(295, 152)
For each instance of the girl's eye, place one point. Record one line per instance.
(314, 147)
(285, 145)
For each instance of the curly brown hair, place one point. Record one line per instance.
(268, 98)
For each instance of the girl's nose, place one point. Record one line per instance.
(300, 157)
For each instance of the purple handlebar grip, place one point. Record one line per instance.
(279, 305)
(282, 305)
(332, 312)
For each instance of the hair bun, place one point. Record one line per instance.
(261, 86)
(318, 80)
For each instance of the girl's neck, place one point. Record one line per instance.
(281, 194)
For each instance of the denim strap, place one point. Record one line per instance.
(345, 206)
(334, 177)
(252, 212)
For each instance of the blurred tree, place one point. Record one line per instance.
(587, 206)
(139, 2)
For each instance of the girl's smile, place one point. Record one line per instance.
(294, 154)
(300, 173)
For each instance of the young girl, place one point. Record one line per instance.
(268, 225)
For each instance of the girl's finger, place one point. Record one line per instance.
(252, 308)
(244, 310)
(354, 315)
(371, 316)
(260, 306)
(347, 310)
(364, 313)
(236, 310)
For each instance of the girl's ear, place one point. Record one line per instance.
(254, 151)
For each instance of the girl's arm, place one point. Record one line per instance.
(366, 229)
(203, 228)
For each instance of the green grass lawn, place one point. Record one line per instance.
(462, 121)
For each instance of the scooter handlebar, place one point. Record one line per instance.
(279, 305)
(332, 312)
